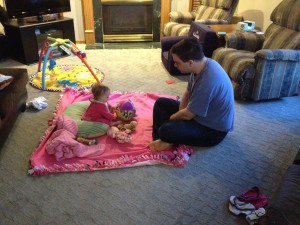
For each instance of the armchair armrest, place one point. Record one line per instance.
(244, 41)
(277, 73)
(182, 17)
(278, 55)
(212, 21)
(168, 42)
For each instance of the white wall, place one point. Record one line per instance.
(181, 5)
(258, 11)
(77, 15)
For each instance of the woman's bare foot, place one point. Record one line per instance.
(159, 145)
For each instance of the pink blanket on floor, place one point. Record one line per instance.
(110, 154)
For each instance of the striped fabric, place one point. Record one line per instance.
(277, 74)
(209, 11)
(213, 21)
(182, 17)
(269, 73)
(244, 41)
(195, 4)
(239, 65)
(224, 4)
(281, 37)
(287, 14)
(176, 29)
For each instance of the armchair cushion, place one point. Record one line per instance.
(213, 21)
(244, 41)
(176, 29)
(239, 65)
(279, 37)
(224, 4)
(208, 12)
(286, 14)
(182, 17)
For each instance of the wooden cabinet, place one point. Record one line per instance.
(24, 39)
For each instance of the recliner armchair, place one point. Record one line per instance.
(208, 12)
(263, 67)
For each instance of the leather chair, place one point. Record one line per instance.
(4, 51)
(206, 36)
(263, 67)
(12, 100)
(284, 205)
(208, 12)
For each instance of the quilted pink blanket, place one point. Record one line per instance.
(108, 154)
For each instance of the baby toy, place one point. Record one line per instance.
(120, 136)
(65, 44)
(87, 141)
(125, 110)
(128, 127)
(122, 133)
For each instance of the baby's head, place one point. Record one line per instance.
(101, 92)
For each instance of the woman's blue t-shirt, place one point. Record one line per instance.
(211, 97)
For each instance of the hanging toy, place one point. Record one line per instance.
(52, 64)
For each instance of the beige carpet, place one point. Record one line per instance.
(265, 140)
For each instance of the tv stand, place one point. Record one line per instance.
(41, 18)
(24, 39)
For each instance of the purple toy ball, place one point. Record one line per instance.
(125, 110)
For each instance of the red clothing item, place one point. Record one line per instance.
(98, 112)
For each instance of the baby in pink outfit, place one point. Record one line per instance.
(99, 109)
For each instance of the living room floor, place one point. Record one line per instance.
(127, 45)
(264, 142)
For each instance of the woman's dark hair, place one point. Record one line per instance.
(188, 49)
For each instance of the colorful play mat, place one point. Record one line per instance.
(59, 152)
(60, 77)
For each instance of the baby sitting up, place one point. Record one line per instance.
(99, 110)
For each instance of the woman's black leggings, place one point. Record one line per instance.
(187, 132)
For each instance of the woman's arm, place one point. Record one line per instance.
(184, 100)
(183, 113)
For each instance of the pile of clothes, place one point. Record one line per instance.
(249, 204)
